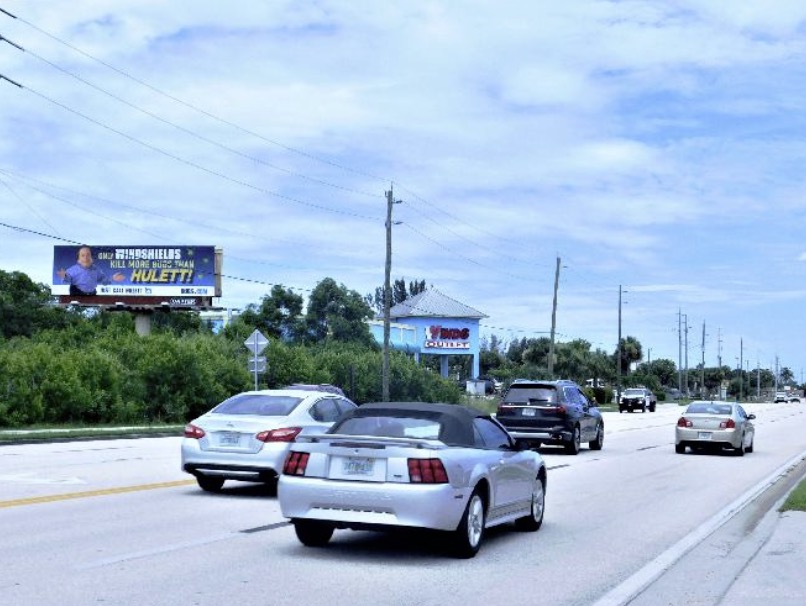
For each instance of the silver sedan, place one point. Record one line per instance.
(247, 436)
(714, 425)
(441, 467)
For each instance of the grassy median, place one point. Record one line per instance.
(796, 501)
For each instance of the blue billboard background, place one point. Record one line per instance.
(156, 271)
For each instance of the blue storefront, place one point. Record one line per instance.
(432, 323)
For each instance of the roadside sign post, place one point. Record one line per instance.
(256, 343)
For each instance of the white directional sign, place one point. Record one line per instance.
(257, 364)
(256, 342)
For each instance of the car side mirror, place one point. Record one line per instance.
(520, 445)
(751, 416)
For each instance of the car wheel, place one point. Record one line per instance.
(574, 445)
(598, 441)
(750, 448)
(210, 483)
(313, 533)
(680, 448)
(740, 451)
(643, 408)
(534, 520)
(468, 535)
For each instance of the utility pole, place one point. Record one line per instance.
(741, 367)
(679, 352)
(387, 293)
(685, 372)
(554, 318)
(702, 367)
(618, 352)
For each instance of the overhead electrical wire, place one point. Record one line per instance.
(415, 196)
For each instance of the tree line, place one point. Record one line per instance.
(84, 365)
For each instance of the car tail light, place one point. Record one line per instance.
(504, 409)
(295, 463)
(560, 409)
(684, 422)
(729, 424)
(427, 471)
(284, 434)
(192, 431)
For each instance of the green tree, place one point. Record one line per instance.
(279, 315)
(336, 313)
(630, 352)
(26, 307)
(399, 293)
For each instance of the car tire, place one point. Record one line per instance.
(534, 520)
(468, 535)
(598, 441)
(740, 451)
(313, 533)
(573, 446)
(749, 449)
(643, 408)
(680, 448)
(210, 483)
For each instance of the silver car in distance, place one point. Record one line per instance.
(714, 425)
(441, 467)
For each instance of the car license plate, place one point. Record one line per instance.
(354, 466)
(704, 435)
(529, 412)
(229, 439)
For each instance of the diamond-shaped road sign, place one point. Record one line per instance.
(256, 342)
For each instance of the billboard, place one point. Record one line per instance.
(135, 271)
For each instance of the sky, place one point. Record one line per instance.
(654, 147)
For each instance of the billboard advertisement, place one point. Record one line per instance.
(134, 271)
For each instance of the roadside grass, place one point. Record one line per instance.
(50, 433)
(796, 501)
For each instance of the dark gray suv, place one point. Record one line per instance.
(551, 412)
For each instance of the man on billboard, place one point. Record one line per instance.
(85, 276)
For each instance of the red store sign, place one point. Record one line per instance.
(447, 338)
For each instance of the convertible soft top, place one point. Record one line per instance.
(456, 421)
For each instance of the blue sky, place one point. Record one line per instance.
(655, 146)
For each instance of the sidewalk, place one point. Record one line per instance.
(776, 574)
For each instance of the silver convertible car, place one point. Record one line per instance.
(441, 467)
(714, 425)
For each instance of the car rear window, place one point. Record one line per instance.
(390, 427)
(633, 392)
(714, 409)
(522, 394)
(256, 404)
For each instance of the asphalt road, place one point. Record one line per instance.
(116, 522)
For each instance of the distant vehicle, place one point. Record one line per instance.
(439, 467)
(247, 436)
(635, 398)
(715, 425)
(794, 398)
(551, 412)
(491, 385)
(780, 396)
